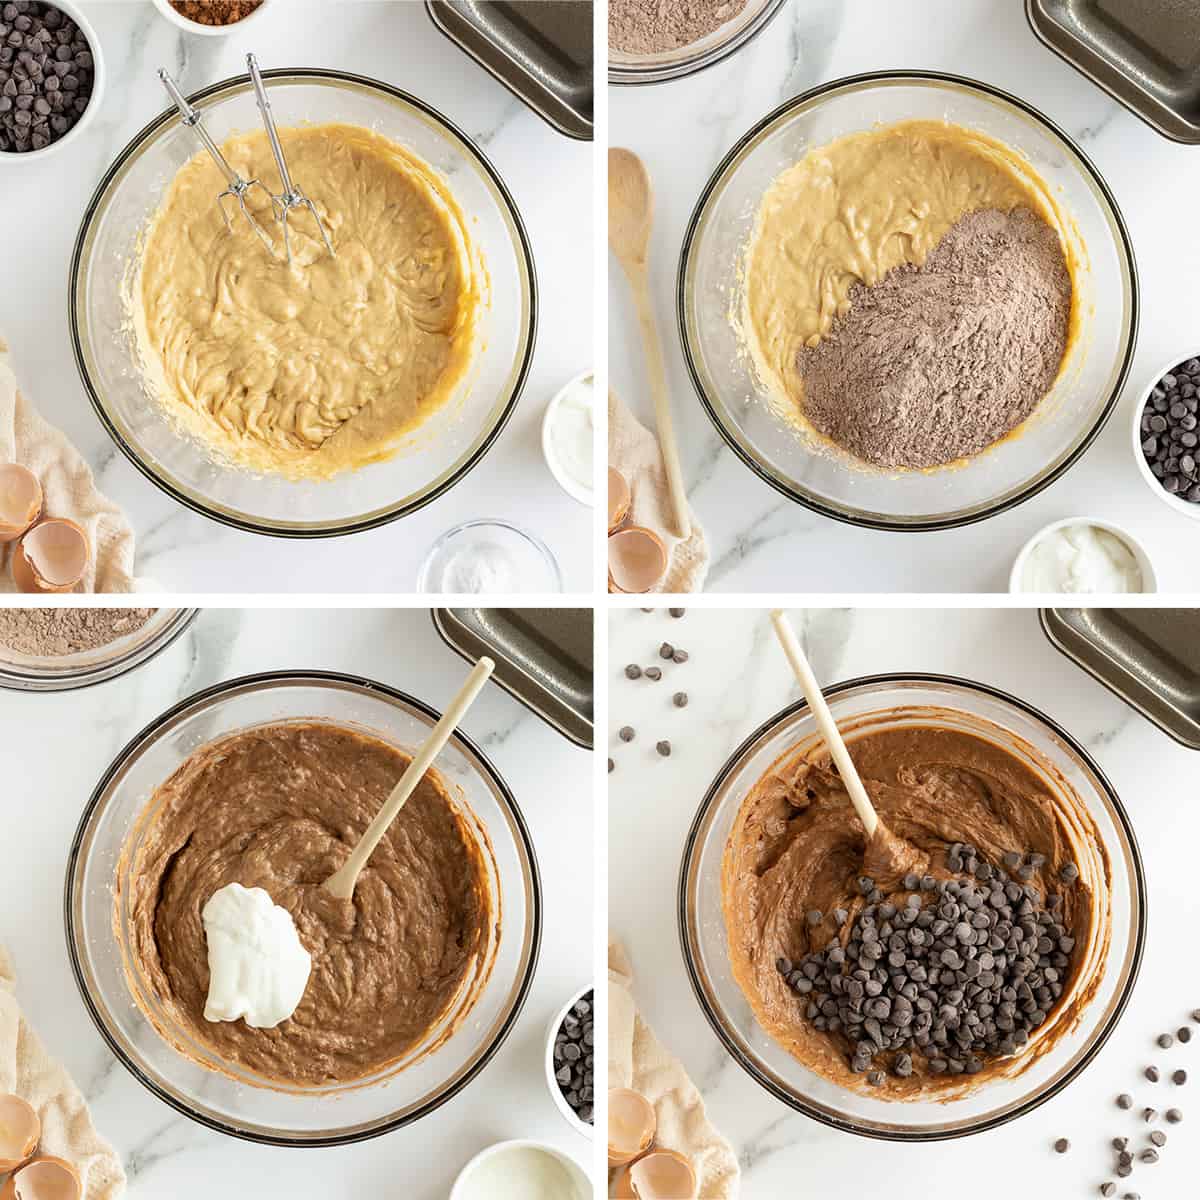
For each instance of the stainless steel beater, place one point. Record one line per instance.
(291, 197)
(237, 186)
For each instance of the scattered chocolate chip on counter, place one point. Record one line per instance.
(666, 651)
(1158, 1138)
(1062, 1145)
(626, 733)
(1184, 1034)
(664, 748)
(1174, 1116)
(654, 673)
(680, 699)
(1125, 1100)
(680, 656)
(1166, 1041)
(633, 671)
(574, 1059)
(1149, 1115)
(1152, 1074)
(677, 612)
(46, 75)
(1179, 1077)
(611, 765)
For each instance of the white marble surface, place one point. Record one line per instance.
(41, 205)
(54, 749)
(683, 129)
(736, 678)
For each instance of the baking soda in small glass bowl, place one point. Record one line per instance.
(489, 557)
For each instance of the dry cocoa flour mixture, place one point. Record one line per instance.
(646, 27)
(908, 293)
(55, 632)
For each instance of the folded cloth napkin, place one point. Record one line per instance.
(634, 451)
(26, 1070)
(68, 487)
(638, 1060)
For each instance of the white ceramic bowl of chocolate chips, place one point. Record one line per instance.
(51, 77)
(566, 1060)
(1166, 434)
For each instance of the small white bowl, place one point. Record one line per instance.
(190, 26)
(560, 1101)
(1149, 576)
(1183, 507)
(99, 76)
(568, 485)
(462, 1184)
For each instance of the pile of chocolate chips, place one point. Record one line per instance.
(574, 1059)
(1170, 438)
(46, 75)
(962, 970)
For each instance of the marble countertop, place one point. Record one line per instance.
(736, 678)
(56, 746)
(683, 129)
(42, 203)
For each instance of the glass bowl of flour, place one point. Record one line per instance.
(58, 649)
(766, 429)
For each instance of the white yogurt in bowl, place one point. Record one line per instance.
(521, 1170)
(569, 437)
(1082, 556)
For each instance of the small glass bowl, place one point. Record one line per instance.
(534, 565)
(812, 471)
(909, 699)
(64, 672)
(687, 60)
(435, 456)
(231, 1100)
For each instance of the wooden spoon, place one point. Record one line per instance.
(341, 882)
(630, 218)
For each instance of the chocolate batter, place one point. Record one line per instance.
(280, 807)
(797, 846)
(325, 365)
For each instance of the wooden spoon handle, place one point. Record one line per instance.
(341, 882)
(825, 722)
(639, 285)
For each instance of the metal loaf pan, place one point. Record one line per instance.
(541, 50)
(543, 657)
(1150, 657)
(1144, 53)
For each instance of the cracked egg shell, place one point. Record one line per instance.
(51, 557)
(632, 1124)
(20, 1132)
(637, 559)
(660, 1175)
(44, 1178)
(619, 498)
(20, 500)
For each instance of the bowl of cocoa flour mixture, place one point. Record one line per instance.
(58, 649)
(908, 300)
(651, 41)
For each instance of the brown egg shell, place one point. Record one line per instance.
(23, 484)
(626, 1189)
(58, 1181)
(637, 559)
(640, 1110)
(25, 573)
(619, 499)
(20, 1119)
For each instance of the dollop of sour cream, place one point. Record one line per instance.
(258, 968)
(1081, 559)
(572, 433)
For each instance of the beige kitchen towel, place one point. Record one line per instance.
(633, 450)
(638, 1060)
(26, 1070)
(68, 486)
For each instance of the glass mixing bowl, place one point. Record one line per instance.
(436, 455)
(821, 476)
(62, 672)
(899, 700)
(626, 68)
(236, 1103)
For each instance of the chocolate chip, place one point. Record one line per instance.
(680, 699)
(1125, 1100)
(677, 612)
(1184, 1034)
(1062, 1145)
(664, 748)
(813, 916)
(1174, 1116)
(1152, 1074)
(1119, 1143)
(1108, 1189)
(1179, 1077)
(666, 650)
(633, 671)
(1165, 1040)
(611, 765)
(1149, 1156)
(1069, 873)
(1149, 1115)
(626, 733)
(654, 673)
(680, 656)
(1159, 1138)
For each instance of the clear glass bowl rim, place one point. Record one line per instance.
(13, 679)
(855, 82)
(692, 845)
(373, 687)
(529, 336)
(640, 74)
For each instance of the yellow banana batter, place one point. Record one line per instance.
(322, 366)
(853, 210)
